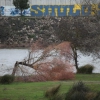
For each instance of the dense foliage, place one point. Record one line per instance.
(77, 92)
(21, 4)
(86, 69)
(23, 31)
(82, 32)
(7, 79)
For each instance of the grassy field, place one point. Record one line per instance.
(36, 90)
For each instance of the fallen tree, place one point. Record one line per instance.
(49, 63)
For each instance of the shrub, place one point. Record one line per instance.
(86, 69)
(97, 97)
(53, 93)
(91, 95)
(0, 79)
(7, 79)
(77, 92)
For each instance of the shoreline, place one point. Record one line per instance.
(2, 46)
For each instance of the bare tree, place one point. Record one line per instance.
(82, 33)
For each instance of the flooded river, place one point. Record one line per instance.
(8, 57)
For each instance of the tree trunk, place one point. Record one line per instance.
(75, 56)
(15, 68)
(21, 12)
(75, 59)
(20, 63)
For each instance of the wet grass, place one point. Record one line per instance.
(88, 77)
(36, 90)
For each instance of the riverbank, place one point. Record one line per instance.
(21, 32)
(22, 46)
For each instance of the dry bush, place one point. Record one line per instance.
(78, 91)
(51, 71)
(53, 93)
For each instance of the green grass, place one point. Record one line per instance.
(25, 91)
(88, 77)
(36, 90)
